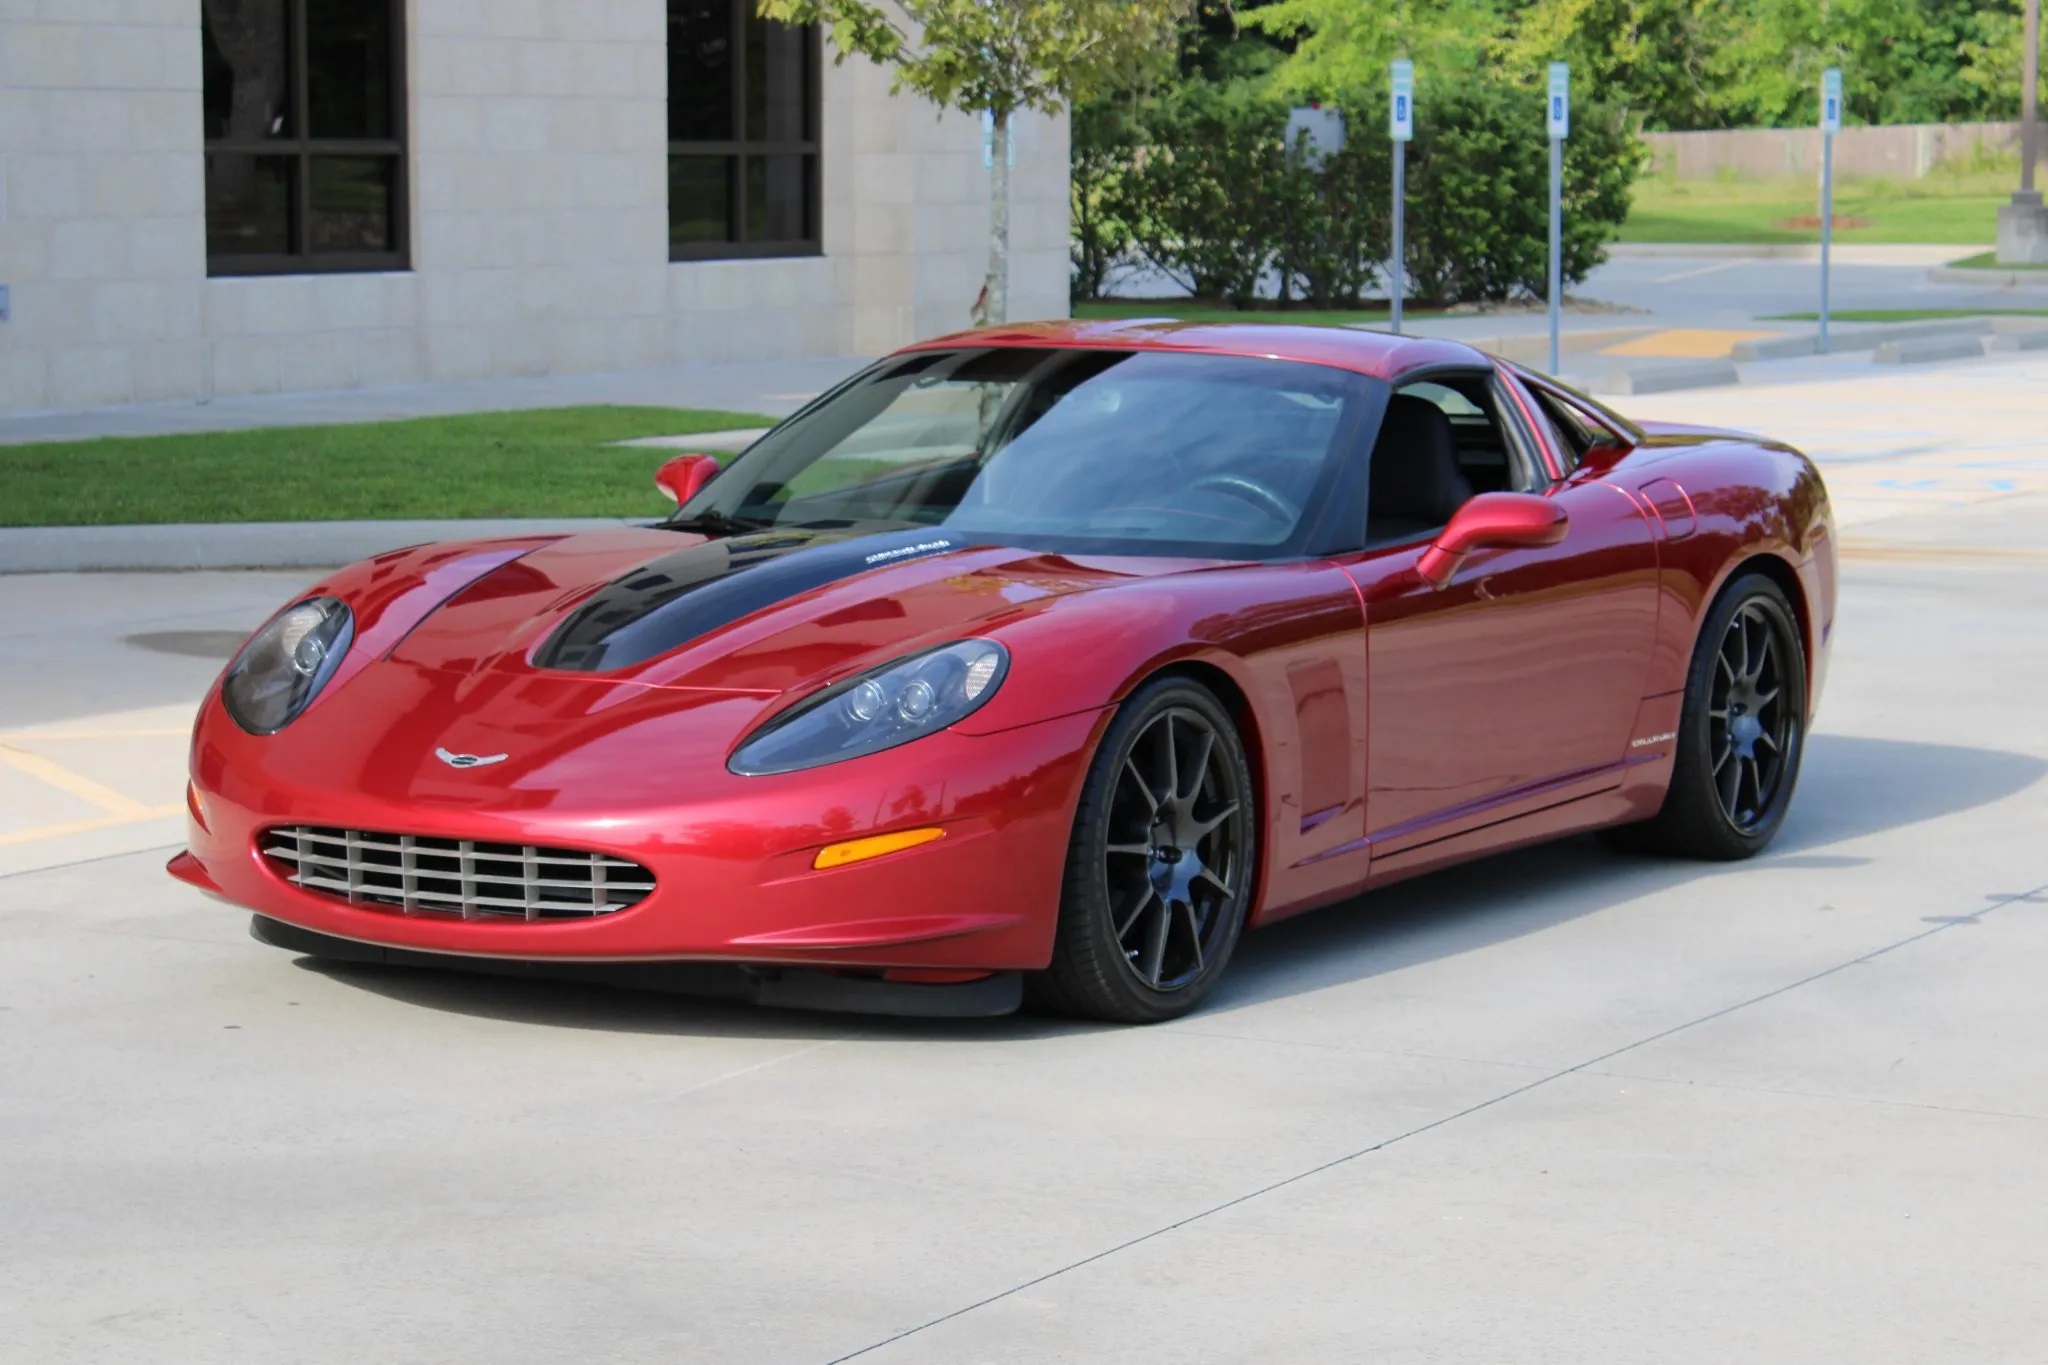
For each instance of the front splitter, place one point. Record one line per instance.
(779, 987)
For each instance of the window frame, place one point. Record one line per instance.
(303, 147)
(741, 149)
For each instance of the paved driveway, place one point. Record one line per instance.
(1562, 1106)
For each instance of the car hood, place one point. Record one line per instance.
(760, 613)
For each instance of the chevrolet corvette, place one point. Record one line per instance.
(1035, 662)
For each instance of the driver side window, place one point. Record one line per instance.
(1443, 440)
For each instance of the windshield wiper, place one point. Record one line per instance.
(717, 524)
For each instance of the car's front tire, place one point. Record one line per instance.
(1161, 864)
(1741, 734)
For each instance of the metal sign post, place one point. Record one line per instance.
(1830, 124)
(1401, 128)
(1560, 121)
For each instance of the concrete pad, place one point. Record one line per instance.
(1564, 1106)
(1928, 349)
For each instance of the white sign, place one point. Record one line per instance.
(1401, 113)
(1831, 100)
(1322, 128)
(1560, 107)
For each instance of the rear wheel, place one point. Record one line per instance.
(1160, 866)
(1742, 732)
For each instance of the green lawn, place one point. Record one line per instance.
(1908, 314)
(553, 462)
(1191, 310)
(1958, 209)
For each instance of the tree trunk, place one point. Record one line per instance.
(994, 306)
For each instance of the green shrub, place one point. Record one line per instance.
(1200, 183)
(1106, 138)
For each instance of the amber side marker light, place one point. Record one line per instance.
(196, 803)
(874, 846)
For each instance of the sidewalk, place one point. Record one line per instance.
(776, 387)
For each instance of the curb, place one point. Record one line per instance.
(1855, 253)
(1928, 348)
(2017, 341)
(1666, 378)
(1992, 278)
(251, 545)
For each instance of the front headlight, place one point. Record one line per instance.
(285, 664)
(882, 708)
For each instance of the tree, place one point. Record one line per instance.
(997, 58)
(1341, 45)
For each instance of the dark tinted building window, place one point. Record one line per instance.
(305, 149)
(743, 133)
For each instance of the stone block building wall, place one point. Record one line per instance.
(537, 207)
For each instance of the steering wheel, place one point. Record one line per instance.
(1249, 490)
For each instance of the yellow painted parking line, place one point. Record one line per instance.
(1686, 343)
(84, 788)
(142, 813)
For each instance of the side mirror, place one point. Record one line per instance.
(684, 477)
(1491, 521)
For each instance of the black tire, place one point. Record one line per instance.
(1155, 894)
(1741, 733)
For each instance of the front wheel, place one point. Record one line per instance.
(1742, 731)
(1161, 863)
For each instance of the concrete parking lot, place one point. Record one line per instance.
(1564, 1106)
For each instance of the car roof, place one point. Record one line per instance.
(1383, 355)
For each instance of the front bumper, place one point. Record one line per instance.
(733, 866)
(777, 987)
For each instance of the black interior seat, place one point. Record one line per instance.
(1416, 483)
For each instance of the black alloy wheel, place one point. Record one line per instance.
(1160, 868)
(1741, 734)
(1749, 725)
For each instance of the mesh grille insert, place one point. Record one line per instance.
(420, 874)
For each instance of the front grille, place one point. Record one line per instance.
(422, 875)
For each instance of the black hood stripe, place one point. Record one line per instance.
(672, 600)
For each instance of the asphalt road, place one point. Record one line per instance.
(1562, 1106)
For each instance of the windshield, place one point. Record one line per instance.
(1079, 450)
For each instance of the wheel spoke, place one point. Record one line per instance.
(1135, 850)
(1756, 785)
(1172, 760)
(1741, 633)
(1727, 752)
(1728, 785)
(1766, 737)
(1721, 714)
(1209, 876)
(1200, 769)
(1194, 932)
(1764, 699)
(1155, 944)
(1206, 827)
(1123, 930)
(1144, 787)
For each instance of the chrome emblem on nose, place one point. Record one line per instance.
(469, 760)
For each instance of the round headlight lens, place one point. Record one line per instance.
(285, 664)
(887, 706)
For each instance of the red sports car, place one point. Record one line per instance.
(1039, 660)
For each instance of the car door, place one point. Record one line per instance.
(1513, 685)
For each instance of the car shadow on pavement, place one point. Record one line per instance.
(1850, 787)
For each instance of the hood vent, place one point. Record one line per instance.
(667, 602)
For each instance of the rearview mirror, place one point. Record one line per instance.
(1491, 521)
(684, 477)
